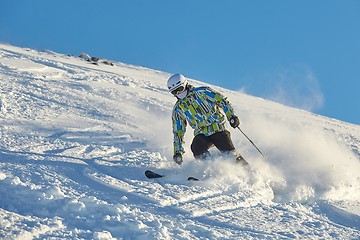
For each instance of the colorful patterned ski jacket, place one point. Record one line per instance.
(201, 109)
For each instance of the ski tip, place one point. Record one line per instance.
(151, 174)
(192, 179)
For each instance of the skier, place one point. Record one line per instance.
(200, 107)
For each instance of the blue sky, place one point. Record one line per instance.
(302, 53)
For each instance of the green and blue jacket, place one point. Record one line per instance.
(201, 109)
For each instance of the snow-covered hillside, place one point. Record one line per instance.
(77, 137)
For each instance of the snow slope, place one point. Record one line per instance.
(76, 139)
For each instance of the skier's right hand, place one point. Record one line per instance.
(178, 158)
(234, 121)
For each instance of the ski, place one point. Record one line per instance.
(151, 174)
(192, 179)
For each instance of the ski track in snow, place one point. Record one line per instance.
(76, 139)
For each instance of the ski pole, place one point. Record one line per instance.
(252, 143)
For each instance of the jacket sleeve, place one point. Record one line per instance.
(221, 101)
(179, 129)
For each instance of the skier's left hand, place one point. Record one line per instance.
(178, 158)
(234, 121)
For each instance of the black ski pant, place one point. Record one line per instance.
(201, 143)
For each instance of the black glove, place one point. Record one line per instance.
(178, 158)
(234, 121)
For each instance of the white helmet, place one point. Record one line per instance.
(177, 83)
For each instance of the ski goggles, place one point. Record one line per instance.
(178, 90)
